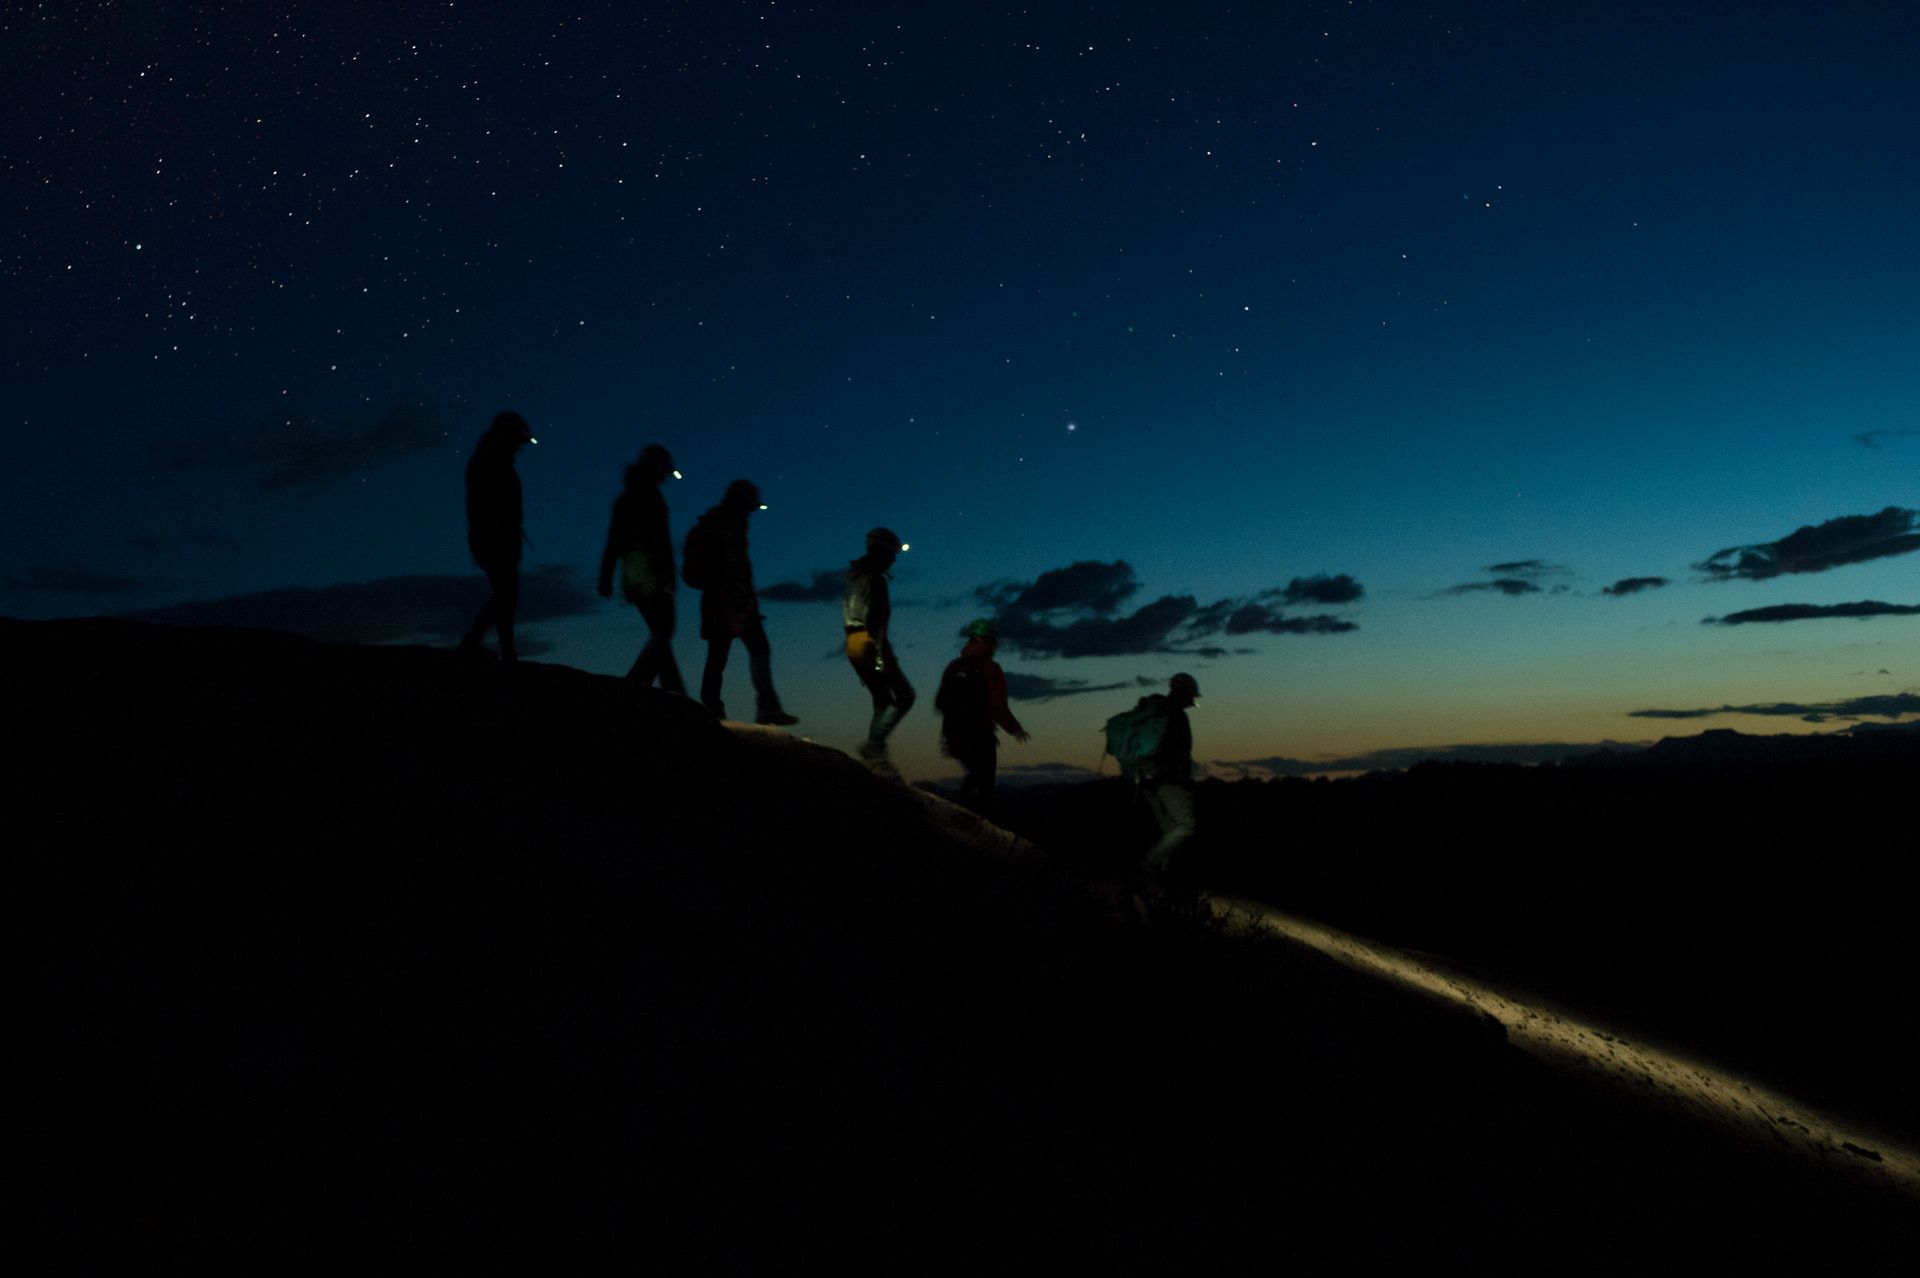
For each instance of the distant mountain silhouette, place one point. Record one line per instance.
(1862, 743)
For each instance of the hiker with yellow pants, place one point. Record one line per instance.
(865, 614)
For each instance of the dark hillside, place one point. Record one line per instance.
(1748, 898)
(365, 957)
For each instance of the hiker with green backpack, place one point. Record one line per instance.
(1153, 744)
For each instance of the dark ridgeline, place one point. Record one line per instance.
(640, 545)
(319, 977)
(495, 533)
(716, 563)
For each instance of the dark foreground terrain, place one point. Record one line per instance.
(1749, 900)
(368, 958)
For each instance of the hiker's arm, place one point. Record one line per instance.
(659, 548)
(997, 702)
(609, 555)
(853, 610)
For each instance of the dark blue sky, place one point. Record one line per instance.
(1434, 298)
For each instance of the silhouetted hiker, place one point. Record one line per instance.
(638, 540)
(494, 534)
(865, 615)
(715, 563)
(971, 700)
(1153, 743)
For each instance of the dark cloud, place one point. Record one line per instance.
(1515, 577)
(387, 610)
(49, 580)
(1634, 585)
(1872, 438)
(1505, 585)
(1321, 589)
(1074, 612)
(1213, 618)
(1258, 618)
(1087, 586)
(1891, 705)
(1850, 539)
(1813, 612)
(1407, 756)
(1031, 687)
(827, 586)
(1145, 630)
(291, 451)
(1529, 568)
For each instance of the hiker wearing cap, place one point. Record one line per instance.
(864, 615)
(716, 564)
(640, 544)
(973, 699)
(494, 532)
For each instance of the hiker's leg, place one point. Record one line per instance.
(1172, 807)
(866, 668)
(976, 758)
(506, 599)
(881, 691)
(969, 791)
(656, 658)
(893, 696)
(717, 648)
(760, 667)
(641, 671)
(976, 787)
(470, 642)
(663, 627)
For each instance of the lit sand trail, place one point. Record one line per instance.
(1663, 1079)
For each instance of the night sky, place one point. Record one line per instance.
(1415, 375)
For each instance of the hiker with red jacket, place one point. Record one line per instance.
(639, 543)
(866, 612)
(494, 533)
(971, 701)
(716, 564)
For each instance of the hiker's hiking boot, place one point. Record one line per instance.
(874, 755)
(776, 718)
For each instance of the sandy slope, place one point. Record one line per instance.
(1691, 1091)
(1774, 1125)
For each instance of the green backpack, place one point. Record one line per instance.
(1134, 736)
